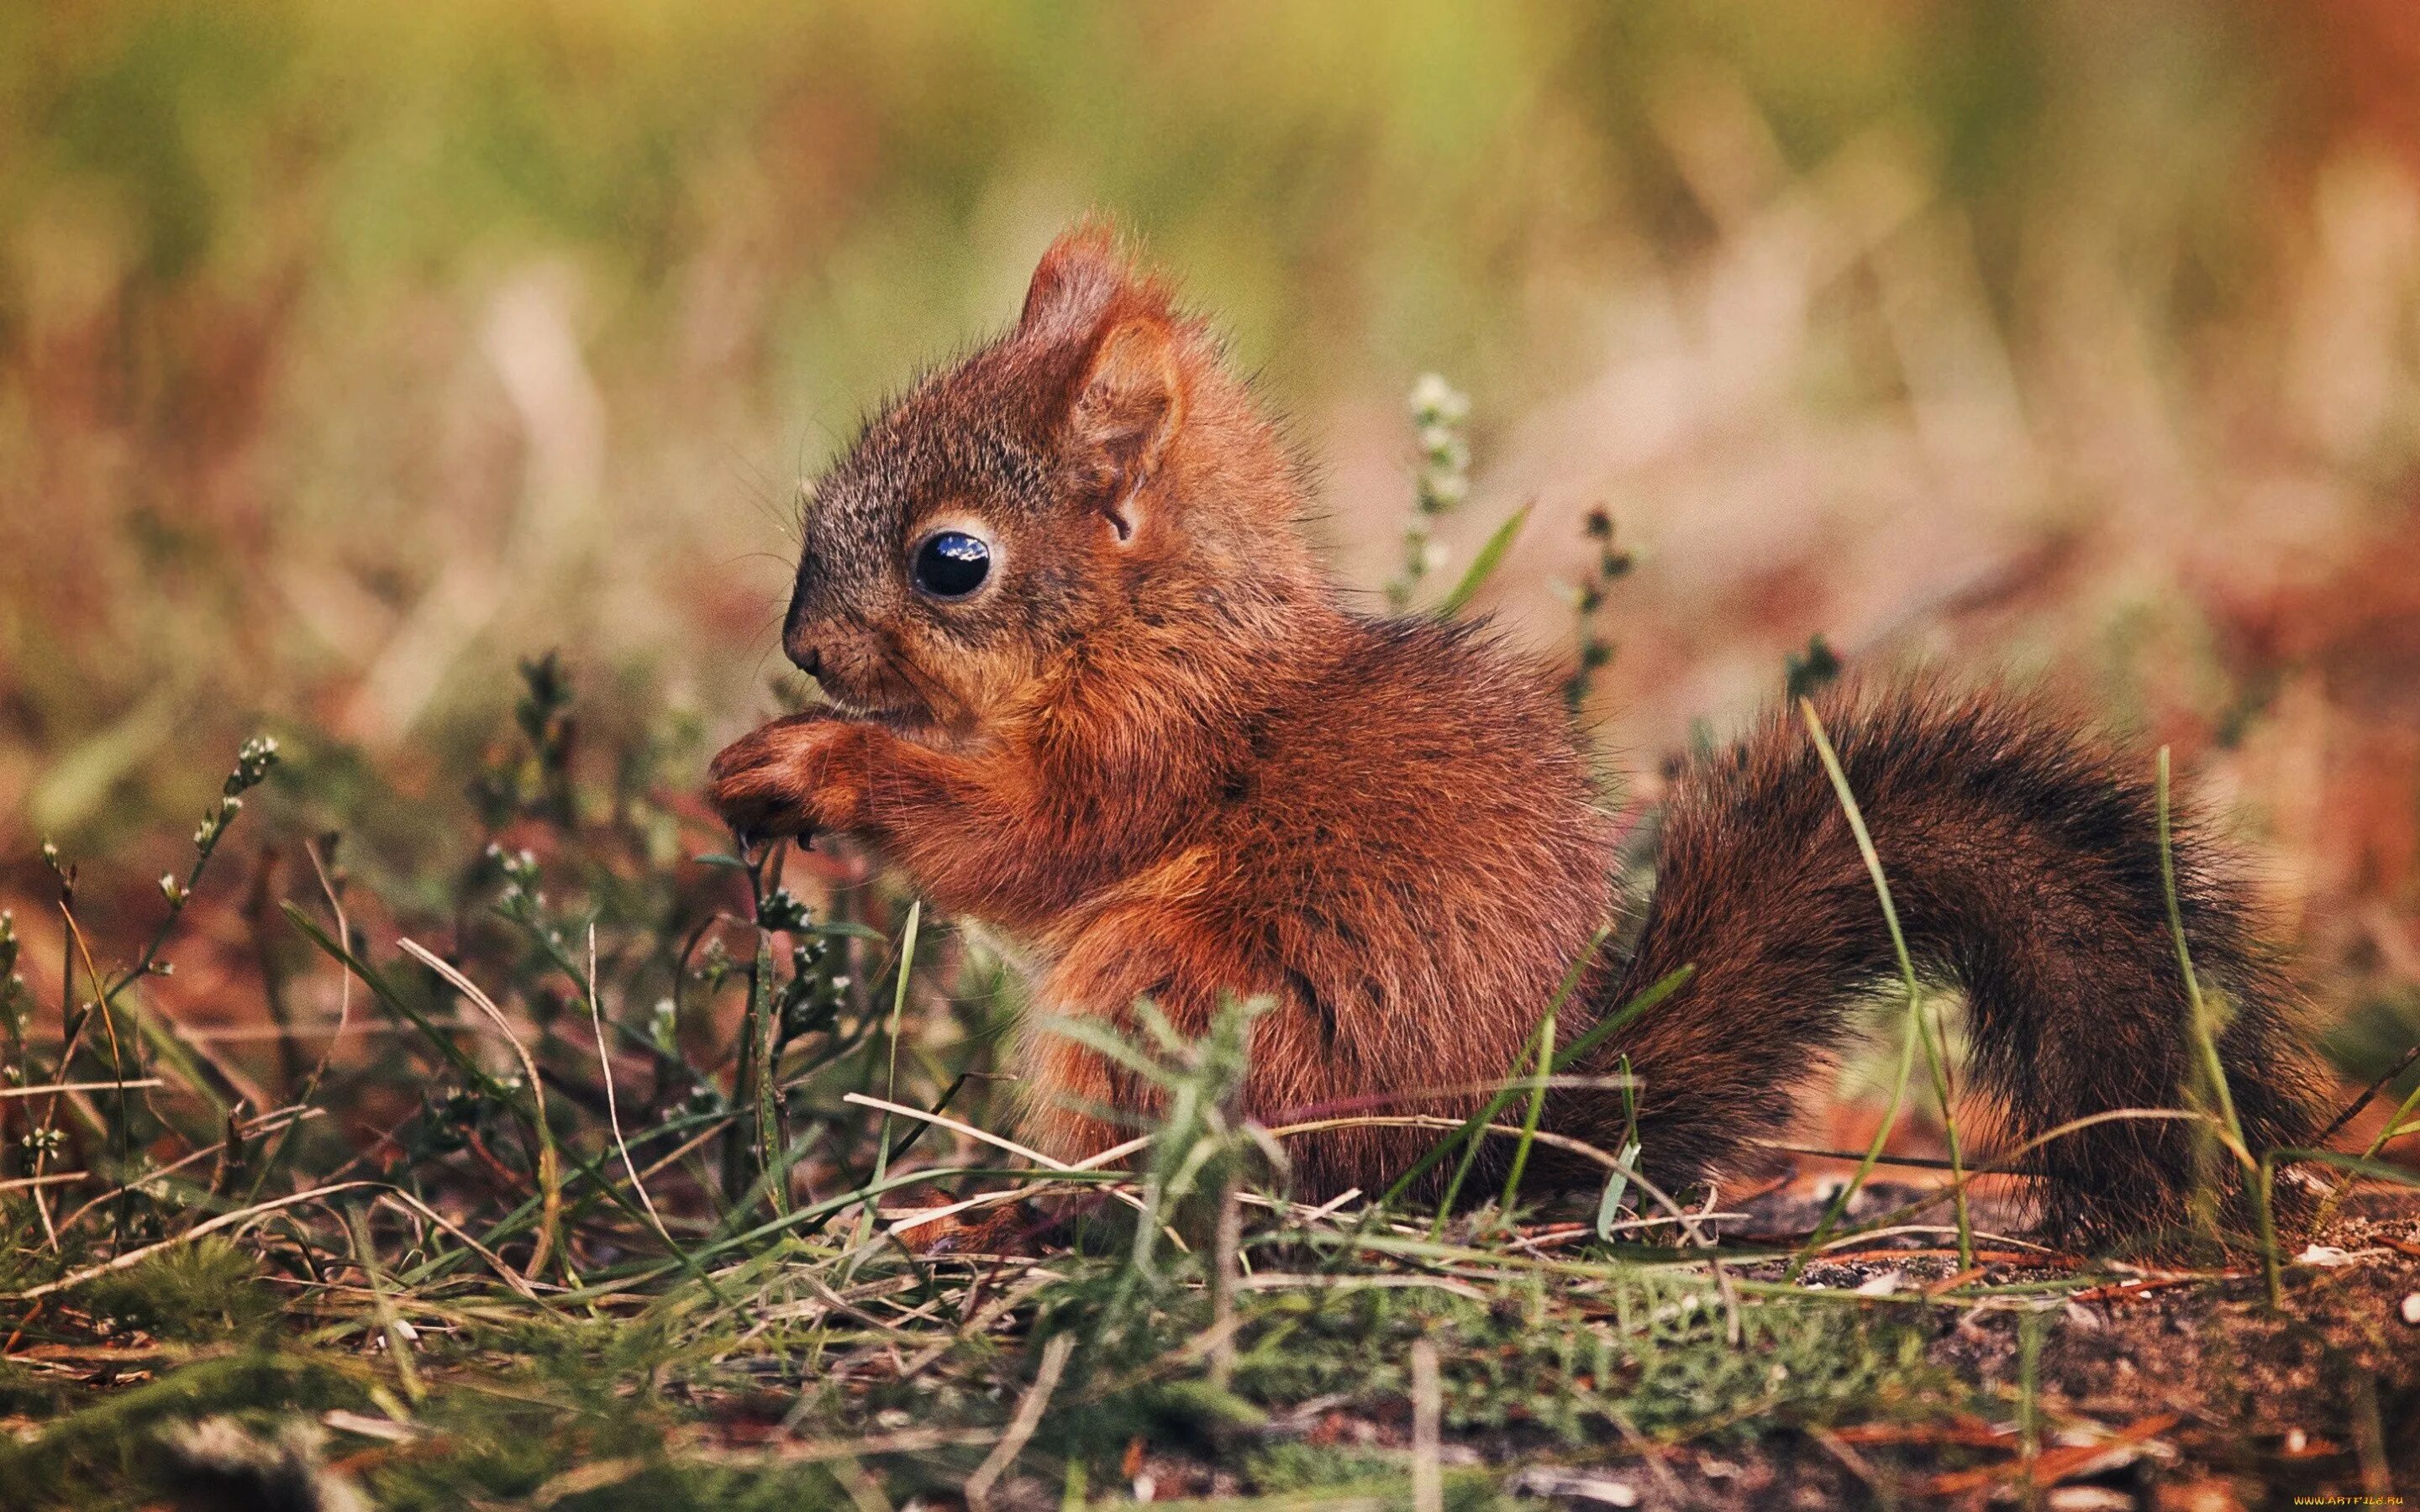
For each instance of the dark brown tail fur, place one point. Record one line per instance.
(2024, 862)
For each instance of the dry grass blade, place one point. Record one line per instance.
(932, 1215)
(613, 1108)
(209, 1226)
(24, 1184)
(55, 1089)
(985, 1137)
(1275, 1281)
(1428, 1463)
(344, 979)
(906, 1441)
(269, 1122)
(549, 1174)
(2052, 1466)
(1870, 327)
(1021, 1426)
(1687, 1220)
(390, 1321)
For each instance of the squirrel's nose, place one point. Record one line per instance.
(798, 639)
(802, 651)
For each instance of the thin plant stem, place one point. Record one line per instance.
(2204, 1033)
(891, 1085)
(547, 1167)
(1537, 1108)
(1936, 1058)
(2393, 1128)
(1468, 1137)
(612, 1111)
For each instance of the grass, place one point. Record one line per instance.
(611, 1202)
(615, 1199)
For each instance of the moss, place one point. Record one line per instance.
(201, 1292)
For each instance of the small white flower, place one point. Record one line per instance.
(1433, 396)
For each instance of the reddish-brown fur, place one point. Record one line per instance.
(1158, 750)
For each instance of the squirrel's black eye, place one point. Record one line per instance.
(952, 563)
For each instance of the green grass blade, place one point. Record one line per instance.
(1468, 1136)
(1483, 566)
(1935, 1058)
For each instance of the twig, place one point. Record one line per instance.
(1855, 1463)
(2055, 1465)
(2352, 1110)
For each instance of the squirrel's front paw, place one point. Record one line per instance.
(793, 777)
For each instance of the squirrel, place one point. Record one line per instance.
(1089, 685)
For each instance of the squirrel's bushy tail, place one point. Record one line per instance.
(2024, 861)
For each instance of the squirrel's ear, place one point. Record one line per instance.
(1126, 388)
(1079, 277)
(1127, 410)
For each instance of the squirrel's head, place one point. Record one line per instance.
(1091, 483)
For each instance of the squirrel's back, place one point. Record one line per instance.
(1407, 859)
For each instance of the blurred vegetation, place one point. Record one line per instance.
(304, 306)
(426, 386)
(350, 353)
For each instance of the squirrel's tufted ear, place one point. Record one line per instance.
(1127, 395)
(1077, 281)
(1128, 410)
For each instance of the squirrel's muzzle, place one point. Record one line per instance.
(851, 665)
(799, 637)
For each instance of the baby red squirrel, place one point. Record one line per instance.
(1089, 685)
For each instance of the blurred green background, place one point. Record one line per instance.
(350, 352)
